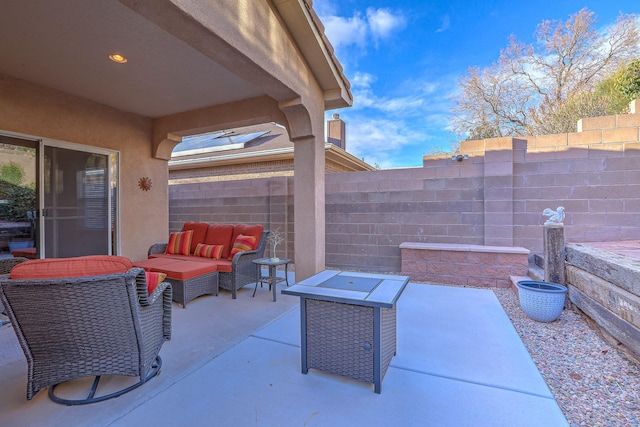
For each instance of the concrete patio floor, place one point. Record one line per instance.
(230, 362)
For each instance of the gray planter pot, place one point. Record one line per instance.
(541, 301)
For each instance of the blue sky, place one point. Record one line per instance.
(404, 58)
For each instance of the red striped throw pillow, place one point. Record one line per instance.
(208, 251)
(153, 280)
(242, 244)
(179, 243)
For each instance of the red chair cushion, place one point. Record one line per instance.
(51, 268)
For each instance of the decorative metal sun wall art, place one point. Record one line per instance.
(145, 183)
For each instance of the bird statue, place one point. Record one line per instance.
(555, 217)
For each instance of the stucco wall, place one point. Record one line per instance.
(33, 110)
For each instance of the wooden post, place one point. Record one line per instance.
(554, 253)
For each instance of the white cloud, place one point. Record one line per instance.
(361, 88)
(408, 105)
(324, 7)
(403, 104)
(379, 140)
(388, 125)
(395, 130)
(383, 23)
(446, 23)
(362, 80)
(360, 29)
(346, 31)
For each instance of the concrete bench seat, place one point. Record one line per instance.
(462, 264)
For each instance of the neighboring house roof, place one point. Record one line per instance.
(249, 145)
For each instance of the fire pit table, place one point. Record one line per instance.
(348, 323)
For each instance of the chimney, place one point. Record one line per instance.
(336, 132)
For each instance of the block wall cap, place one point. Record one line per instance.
(464, 248)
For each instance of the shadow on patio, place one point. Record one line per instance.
(230, 362)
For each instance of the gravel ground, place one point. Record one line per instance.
(595, 382)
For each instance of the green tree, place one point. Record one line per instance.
(611, 96)
(623, 86)
(12, 173)
(18, 198)
(564, 118)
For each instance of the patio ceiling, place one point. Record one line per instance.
(65, 45)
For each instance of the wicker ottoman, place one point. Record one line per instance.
(189, 279)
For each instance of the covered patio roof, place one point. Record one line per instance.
(178, 60)
(191, 67)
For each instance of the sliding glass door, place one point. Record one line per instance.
(79, 203)
(57, 199)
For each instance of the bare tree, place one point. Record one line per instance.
(515, 95)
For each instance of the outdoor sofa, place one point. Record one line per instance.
(232, 248)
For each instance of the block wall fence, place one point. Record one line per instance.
(495, 197)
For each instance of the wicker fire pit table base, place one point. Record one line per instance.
(348, 323)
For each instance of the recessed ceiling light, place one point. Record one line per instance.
(115, 57)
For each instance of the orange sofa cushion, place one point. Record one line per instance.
(186, 269)
(51, 268)
(220, 234)
(223, 265)
(254, 230)
(155, 262)
(199, 233)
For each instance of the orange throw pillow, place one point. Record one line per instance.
(179, 243)
(242, 244)
(208, 251)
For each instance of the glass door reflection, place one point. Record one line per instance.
(18, 197)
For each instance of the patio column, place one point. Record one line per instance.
(306, 130)
(309, 199)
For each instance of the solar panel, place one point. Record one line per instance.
(215, 141)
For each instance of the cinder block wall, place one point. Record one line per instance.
(369, 214)
(594, 174)
(495, 197)
(253, 201)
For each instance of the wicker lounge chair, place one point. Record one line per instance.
(6, 264)
(73, 328)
